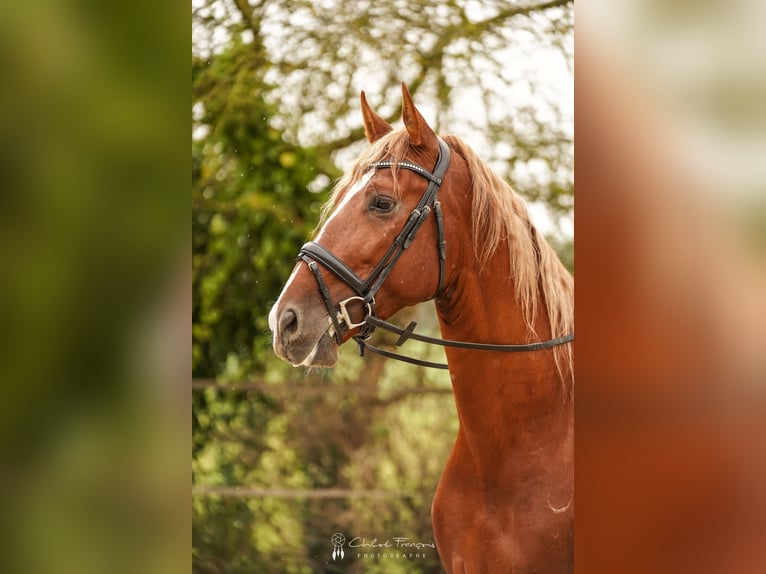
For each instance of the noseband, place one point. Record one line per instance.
(340, 320)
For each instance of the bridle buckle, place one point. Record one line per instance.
(346, 318)
(342, 318)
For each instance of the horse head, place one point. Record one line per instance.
(365, 259)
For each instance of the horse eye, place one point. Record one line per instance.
(382, 204)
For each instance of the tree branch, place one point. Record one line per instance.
(504, 15)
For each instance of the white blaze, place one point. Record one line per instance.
(355, 189)
(273, 312)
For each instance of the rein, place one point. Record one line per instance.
(366, 289)
(407, 333)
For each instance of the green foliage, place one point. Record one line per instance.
(251, 211)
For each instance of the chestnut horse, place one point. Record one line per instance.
(505, 502)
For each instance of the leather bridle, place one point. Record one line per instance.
(340, 320)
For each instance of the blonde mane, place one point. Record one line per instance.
(500, 219)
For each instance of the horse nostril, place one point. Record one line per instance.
(288, 324)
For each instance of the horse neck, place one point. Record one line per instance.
(507, 402)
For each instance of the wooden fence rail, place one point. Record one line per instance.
(311, 389)
(315, 493)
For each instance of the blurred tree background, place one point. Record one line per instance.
(284, 458)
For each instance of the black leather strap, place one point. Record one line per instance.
(441, 244)
(326, 298)
(408, 333)
(365, 346)
(313, 251)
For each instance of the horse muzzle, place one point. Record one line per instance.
(301, 338)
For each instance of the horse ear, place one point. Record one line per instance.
(374, 126)
(420, 132)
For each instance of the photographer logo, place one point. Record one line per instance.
(338, 540)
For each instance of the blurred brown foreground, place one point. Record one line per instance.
(671, 291)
